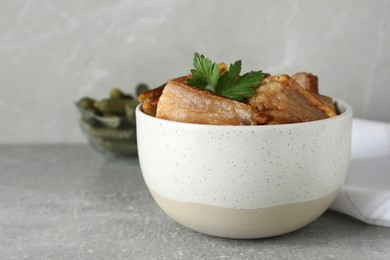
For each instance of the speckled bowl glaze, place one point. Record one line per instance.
(244, 181)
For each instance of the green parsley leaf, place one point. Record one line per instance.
(206, 73)
(228, 78)
(243, 87)
(230, 84)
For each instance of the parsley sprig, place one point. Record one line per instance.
(230, 84)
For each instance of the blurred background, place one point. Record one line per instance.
(53, 52)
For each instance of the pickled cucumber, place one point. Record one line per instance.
(109, 120)
(113, 134)
(87, 110)
(86, 106)
(87, 103)
(90, 121)
(116, 93)
(112, 106)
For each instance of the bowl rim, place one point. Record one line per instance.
(348, 112)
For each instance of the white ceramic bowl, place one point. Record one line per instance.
(244, 181)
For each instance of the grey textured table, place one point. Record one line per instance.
(68, 202)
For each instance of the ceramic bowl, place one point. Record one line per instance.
(244, 181)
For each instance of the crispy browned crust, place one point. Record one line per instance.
(327, 100)
(285, 101)
(149, 100)
(183, 103)
(285, 79)
(307, 80)
(152, 95)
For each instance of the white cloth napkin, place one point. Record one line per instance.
(366, 193)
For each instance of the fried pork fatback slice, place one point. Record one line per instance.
(285, 101)
(310, 82)
(149, 100)
(183, 103)
(307, 80)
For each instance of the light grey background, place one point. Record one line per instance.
(53, 52)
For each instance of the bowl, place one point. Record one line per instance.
(113, 136)
(244, 181)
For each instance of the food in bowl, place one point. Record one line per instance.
(252, 99)
(234, 176)
(109, 123)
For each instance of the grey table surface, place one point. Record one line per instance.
(68, 202)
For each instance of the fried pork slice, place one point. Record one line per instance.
(310, 82)
(307, 80)
(285, 101)
(149, 100)
(327, 100)
(183, 103)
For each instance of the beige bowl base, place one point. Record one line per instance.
(244, 223)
